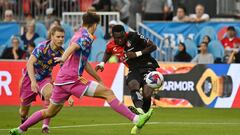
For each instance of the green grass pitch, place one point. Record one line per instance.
(104, 121)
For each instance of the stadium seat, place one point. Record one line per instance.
(2, 48)
(216, 49)
(98, 49)
(40, 29)
(38, 40)
(68, 31)
(191, 47)
(203, 32)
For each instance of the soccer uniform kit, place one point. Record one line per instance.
(69, 80)
(43, 71)
(138, 67)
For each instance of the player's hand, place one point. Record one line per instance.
(131, 55)
(70, 101)
(100, 67)
(34, 87)
(58, 60)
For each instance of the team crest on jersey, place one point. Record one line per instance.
(128, 44)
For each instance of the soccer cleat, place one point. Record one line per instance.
(45, 130)
(14, 131)
(143, 118)
(137, 111)
(135, 130)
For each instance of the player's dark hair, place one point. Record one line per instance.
(231, 28)
(118, 28)
(90, 18)
(55, 29)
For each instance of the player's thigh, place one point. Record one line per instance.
(47, 91)
(133, 80)
(97, 90)
(45, 87)
(27, 96)
(104, 92)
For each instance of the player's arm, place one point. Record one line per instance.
(67, 53)
(149, 47)
(106, 57)
(31, 73)
(92, 72)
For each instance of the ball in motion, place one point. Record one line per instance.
(154, 79)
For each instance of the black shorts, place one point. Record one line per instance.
(139, 75)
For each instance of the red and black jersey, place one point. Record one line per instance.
(117, 50)
(137, 42)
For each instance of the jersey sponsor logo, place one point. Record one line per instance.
(178, 85)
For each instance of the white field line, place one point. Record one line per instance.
(149, 123)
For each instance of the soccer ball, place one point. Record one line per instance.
(154, 79)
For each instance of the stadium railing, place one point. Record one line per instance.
(160, 54)
(75, 18)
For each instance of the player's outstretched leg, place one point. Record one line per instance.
(116, 105)
(35, 118)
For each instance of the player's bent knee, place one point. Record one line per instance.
(133, 85)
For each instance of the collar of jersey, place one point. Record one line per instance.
(90, 35)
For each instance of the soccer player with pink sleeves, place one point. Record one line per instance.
(37, 78)
(69, 80)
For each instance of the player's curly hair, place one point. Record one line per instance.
(118, 28)
(90, 18)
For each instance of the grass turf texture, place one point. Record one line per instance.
(104, 121)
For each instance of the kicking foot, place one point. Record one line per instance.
(14, 131)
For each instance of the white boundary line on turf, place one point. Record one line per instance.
(149, 123)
